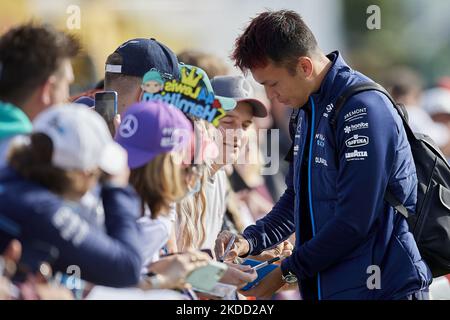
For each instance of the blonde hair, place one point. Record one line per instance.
(159, 183)
(191, 217)
(191, 211)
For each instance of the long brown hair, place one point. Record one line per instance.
(159, 183)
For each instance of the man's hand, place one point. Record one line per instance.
(268, 286)
(239, 248)
(239, 275)
(284, 249)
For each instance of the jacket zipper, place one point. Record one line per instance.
(311, 212)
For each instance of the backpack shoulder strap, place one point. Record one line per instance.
(373, 86)
(367, 86)
(394, 202)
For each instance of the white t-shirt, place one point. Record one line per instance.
(216, 192)
(155, 233)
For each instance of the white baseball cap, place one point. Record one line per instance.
(81, 139)
(436, 100)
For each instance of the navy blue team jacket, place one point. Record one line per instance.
(354, 231)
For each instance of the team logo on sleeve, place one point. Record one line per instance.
(356, 155)
(328, 108)
(355, 114)
(357, 141)
(354, 127)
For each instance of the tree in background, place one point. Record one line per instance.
(415, 33)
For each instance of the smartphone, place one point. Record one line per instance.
(205, 278)
(106, 104)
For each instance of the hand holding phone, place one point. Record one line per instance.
(106, 105)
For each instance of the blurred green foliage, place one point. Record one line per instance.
(415, 33)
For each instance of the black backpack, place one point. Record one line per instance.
(430, 225)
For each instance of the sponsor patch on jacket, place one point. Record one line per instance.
(355, 114)
(321, 161)
(328, 108)
(355, 127)
(357, 141)
(356, 155)
(320, 139)
(296, 148)
(70, 225)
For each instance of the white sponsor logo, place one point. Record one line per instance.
(320, 139)
(355, 114)
(173, 137)
(355, 155)
(70, 225)
(354, 127)
(357, 141)
(129, 126)
(320, 136)
(329, 108)
(321, 161)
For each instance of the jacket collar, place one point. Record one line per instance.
(331, 84)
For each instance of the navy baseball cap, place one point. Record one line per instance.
(140, 55)
(87, 101)
(238, 88)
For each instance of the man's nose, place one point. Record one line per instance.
(271, 94)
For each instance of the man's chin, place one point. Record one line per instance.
(288, 105)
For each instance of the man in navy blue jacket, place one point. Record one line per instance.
(350, 244)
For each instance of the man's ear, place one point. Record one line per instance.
(44, 92)
(305, 66)
(140, 93)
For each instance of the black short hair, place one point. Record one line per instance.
(29, 55)
(278, 36)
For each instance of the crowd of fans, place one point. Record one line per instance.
(91, 210)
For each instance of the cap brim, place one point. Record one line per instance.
(137, 157)
(228, 104)
(113, 159)
(259, 110)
